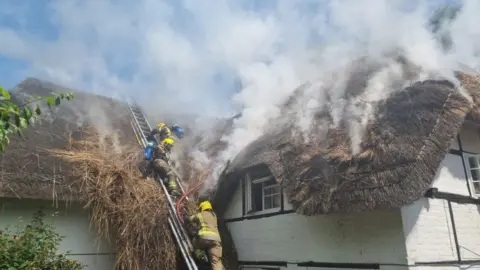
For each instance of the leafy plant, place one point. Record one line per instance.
(34, 247)
(14, 118)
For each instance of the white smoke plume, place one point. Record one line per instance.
(189, 56)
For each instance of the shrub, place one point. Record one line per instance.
(34, 247)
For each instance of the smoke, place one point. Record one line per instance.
(216, 60)
(381, 32)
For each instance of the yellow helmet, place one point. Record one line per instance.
(205, 205)
(168, 141)
(160, 125)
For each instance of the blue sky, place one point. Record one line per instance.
(191, 50)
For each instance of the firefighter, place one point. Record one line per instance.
(162, 155)
(207, 237)
(165, 132)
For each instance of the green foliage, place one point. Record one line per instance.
(34, 247)
(14, 118)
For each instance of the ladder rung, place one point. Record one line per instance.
(144, 127)
(139, 117)
(136, 108)
(139, 112)
(141, 122)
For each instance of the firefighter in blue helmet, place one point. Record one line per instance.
(178, 131)
(162, 154)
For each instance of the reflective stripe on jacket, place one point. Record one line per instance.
(208, 225)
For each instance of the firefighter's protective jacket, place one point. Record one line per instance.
(208, 225)
(162, 151)
(163, 131)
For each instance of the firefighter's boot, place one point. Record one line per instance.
(172, 187)
(201, 256)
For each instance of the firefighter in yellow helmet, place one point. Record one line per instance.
(162, 156)
(207, 237)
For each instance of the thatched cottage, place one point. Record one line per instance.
(33, 179)
(409, 199)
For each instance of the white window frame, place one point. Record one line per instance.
(270, 196)
(248, 195)
(470, 180)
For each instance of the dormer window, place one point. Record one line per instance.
(263, 194)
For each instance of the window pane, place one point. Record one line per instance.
(477, 188)
(257, 197)
(475, 174)
(473, 162)
(271, 197)
(267, 202)
(268, 190)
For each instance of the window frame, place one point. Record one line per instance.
(271, 196)
(248, 195)
(470, 181)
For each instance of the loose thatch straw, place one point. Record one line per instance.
(123, 204)
(61, 158)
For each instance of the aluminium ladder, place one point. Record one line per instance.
(142, 129)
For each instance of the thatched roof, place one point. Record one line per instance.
(28, 170)
(71, 154)
(399, 155)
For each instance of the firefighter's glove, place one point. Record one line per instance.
(150, 137)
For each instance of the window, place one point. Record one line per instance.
(473, 166)
(262, 194)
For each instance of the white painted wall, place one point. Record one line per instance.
(445, 267)
(360, 238)
(428, 234)
(71, 222)
(286, 205)
(467, 223)
(455, 145)
(329, 268)
(382, 267)
(421, 232)
(234, 208)
(264, 267)
(470, 138)
(451, 176)
(427, 223)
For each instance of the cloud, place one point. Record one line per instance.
(171, 54)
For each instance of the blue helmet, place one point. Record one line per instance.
(178, 131)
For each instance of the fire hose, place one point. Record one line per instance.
(179, 202)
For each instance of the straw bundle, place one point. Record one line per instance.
(122, 203)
